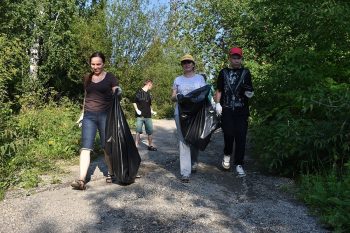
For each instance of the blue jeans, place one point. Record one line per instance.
(91, 122)
(140, 121)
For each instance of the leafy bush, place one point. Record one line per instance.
(53, 128)
(35, 139)
(329, 197)
(306, 132)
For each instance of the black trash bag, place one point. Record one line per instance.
(194, 101)
(201, 126)
(198, 119)
(211, 123)
(120, 145)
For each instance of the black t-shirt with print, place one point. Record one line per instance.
(143, 101)
(232, 89)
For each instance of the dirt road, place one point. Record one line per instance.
(213, 201)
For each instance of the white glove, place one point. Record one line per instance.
(118, 90)
(212, 102)
(249, 94)
(80, 120)
(218, 108)
(138, 112)
(153, 112)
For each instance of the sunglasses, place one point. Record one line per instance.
(186, 62)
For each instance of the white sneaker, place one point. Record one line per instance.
(240, 171)
(194, 167)
(226, 162)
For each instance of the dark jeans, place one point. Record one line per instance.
(235, 130)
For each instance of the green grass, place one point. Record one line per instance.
(35, 140)
(328, 195)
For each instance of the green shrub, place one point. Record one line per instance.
(294, 146)
(56, 135)
(35, 139)
(329, 197)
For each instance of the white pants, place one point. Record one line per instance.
(188, 153)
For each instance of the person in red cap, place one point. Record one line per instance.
(234, 88)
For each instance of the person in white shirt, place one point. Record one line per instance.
(184, 84)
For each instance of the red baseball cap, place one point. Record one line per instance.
(236, 50)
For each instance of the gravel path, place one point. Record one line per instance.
(213, 201)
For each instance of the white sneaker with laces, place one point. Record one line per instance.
(194, 167)
(226, 162)
(240, 171)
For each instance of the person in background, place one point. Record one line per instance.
(99, 88)
(184, 84)
(234, 88)
(143, 111)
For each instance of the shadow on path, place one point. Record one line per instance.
(213, 201)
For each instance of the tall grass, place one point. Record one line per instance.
(329, 197)
(34, 140)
